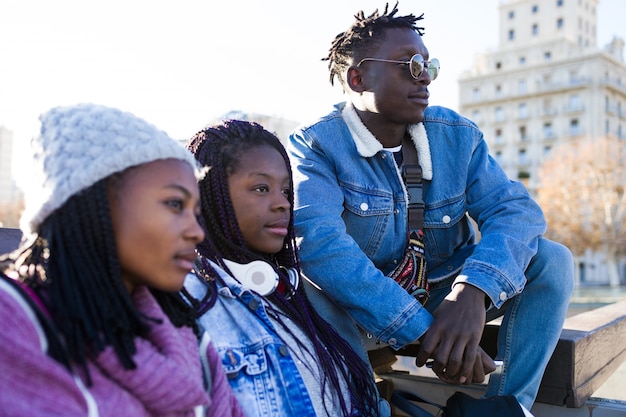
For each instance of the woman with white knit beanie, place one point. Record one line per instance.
(92, 321)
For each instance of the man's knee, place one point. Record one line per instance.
(553, 265)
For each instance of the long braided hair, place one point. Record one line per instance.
(364, 34)
(72, 266)
(220, 147)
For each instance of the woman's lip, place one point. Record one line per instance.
(186, 259)
(185, 264)
(277, 230)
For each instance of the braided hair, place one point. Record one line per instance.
(364, 34)
(72, 266)
(220, 147)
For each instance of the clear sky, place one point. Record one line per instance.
(179, 64)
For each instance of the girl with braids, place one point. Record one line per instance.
(92, 320)
(280, 357)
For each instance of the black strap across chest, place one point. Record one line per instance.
(412, 177)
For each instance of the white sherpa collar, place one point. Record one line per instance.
(367, 145)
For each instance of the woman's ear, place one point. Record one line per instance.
(354, 80)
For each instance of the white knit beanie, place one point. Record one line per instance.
(82, 144)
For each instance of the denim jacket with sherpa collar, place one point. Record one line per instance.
(351, 215)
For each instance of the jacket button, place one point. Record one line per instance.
(253, 304)
(282, 349)
(364, 206)
(383, 156)
(502, 296)
(446, 219)
(393, 341)
(396, 211)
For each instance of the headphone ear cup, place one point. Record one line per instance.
(294, 277)
(257, 276)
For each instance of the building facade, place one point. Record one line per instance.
(6, 165)
(546, 83)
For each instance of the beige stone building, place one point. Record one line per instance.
(547, 82)
(6, 154)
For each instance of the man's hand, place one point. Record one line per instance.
(452, 340)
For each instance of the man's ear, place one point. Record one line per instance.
(354, 80)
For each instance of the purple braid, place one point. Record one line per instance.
(220, 148)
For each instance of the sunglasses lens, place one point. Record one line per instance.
(433, 69)
(417, 65)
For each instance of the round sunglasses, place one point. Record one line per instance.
(416, 65)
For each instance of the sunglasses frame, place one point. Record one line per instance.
(431, 66)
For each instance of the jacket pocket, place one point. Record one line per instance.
(447, 228)
(236, 361)
(367, 215)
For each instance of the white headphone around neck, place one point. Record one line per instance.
(259, 276)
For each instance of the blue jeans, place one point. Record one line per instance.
(532, 322)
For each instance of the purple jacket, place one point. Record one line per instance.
(167, 381)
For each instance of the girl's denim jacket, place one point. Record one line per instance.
(351, 215)
(261, 371)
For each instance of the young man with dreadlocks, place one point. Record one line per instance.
(351, 218)
(280, 356)
(92, 320)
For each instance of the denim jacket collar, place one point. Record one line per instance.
(367, 145)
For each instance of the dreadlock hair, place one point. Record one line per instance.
(73, 268)
(365, 33)
(220, 147)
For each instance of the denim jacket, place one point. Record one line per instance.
(351, 217)
(260, 369)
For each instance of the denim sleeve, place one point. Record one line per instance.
(334, 261)
(510, 224)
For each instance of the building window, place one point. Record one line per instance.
(559, 3)
(535, 8)
(498, 65)
(559, 23)
(522, 157)
(535, 29)
(511, 35)
(522, 60)
(607, 127)
(511, 15)
(547, 150)
(547, 79)
(522, 111)
(521, 87)
(476, 116)
(522, 133)
(498, 157)
(498, 91)
(499, 114)
(476, 94)
(499, 137)
(547, 56)
(574, 102)
(574, 128)
(547, 130)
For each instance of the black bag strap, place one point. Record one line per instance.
(405, 401)
(412, 177)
